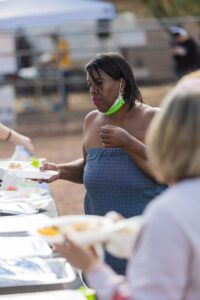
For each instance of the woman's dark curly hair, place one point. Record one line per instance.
(114, 65)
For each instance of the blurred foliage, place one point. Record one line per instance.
(173, 8)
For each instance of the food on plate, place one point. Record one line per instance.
(83, 226)
(49, 231)
(25, 169)
(78, 227)
(11, 188)
(83, 229)
(15, 165)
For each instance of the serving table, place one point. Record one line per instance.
(58, 295)
(67, 290)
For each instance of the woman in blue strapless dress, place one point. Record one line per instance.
(114, 167)
(114, 182)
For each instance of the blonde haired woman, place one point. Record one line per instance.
(166, 260)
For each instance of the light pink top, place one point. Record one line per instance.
(166, 260)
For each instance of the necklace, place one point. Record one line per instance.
(115, 107)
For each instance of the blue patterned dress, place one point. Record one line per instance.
(114, 182)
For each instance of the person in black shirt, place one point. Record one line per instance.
(185, 52)
(23, 50)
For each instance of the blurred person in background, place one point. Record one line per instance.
(7, 134)
(23, 50)
(61, 60)
(166, 256)
(185, 52)
(114, 167)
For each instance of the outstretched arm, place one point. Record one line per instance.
(72, 171)
(7, 134)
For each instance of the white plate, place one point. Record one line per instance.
(25, 170)
(42, 202)
(6, 163)
(118, 237)
(19, 247)
(21, 223)
(17, 208)
(24, 192)
(84, 229)
(36, 200)
(121, 241)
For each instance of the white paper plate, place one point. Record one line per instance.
(21, 223)
(23, 193)
(91, 229)
(17, 208)
(26, 170)
(36, 200)
(121, 241)
(118, 237)
(4, 164)
(34, 174)
(19, 247)
(42, 202)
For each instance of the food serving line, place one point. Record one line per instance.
(28, 227)
(28, 266)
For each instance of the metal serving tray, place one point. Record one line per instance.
(66, 279)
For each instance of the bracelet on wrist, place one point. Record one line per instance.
(9, 135)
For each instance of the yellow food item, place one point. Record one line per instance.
(85, 226)
(50, 231)
(14, 165)
(80, 226)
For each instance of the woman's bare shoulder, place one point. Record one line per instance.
(92, 117)
(148, 111)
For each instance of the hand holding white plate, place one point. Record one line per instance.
(87, 230)
(25, 170)
(83, 229)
